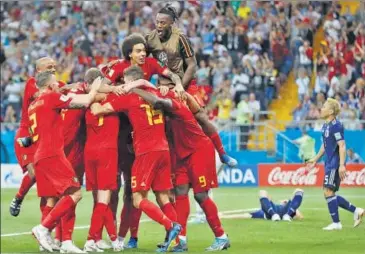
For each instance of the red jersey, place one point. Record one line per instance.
(150, 67)
(73, 130)
(30, 90)
(188, 136)
(101, 131)
(47, 124)
(148, 124)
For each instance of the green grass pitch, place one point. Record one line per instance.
(247, 236)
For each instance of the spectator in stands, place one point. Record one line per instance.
(305, 57)
(254, 106)
(243, 120)
(225, 106)
(306, 146)
(303, 83)
(322, 82)
(353, 157)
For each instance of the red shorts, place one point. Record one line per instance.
(195, 91)
(152, 170)
(75, 155)
(54, 176)
(101, 169)
(24, 155)
(198, 170)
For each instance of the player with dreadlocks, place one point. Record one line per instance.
(173, 49)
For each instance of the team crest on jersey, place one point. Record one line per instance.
(24, 157)
(75, 179)
(162, 58)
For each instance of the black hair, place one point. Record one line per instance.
(129, 42)
(169, 10)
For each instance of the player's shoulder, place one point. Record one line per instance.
(151, 60)
(150, 35)
(336, 124)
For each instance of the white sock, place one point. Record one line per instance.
(224, 236)
(182, 237)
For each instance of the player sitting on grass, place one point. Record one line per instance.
(334, 147)
(286, 210)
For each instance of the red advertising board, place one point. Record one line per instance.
(297, 175)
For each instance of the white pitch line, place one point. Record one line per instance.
(221, 214)
(142, 221)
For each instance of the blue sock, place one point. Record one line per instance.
(266, 206)
(333, 208)
(343, 203)
(295, 203)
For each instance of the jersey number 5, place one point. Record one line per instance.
(153, 116)
(33, 118)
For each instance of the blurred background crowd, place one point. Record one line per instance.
(244, 49)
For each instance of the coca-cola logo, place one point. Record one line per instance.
(355, 177)
(301, 176)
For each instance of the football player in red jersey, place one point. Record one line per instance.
(24, 150)
(134, 51)
(191, 169)
(101, 168)
(171, 47)
(54, 173)
(152, 166)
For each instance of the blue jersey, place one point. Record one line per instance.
(332, 132)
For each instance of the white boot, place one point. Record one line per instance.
(69, 247)
(117, 245)
(358, 214)
(90, 246)
(42, 235)
(275, 217)
(101, 244)
(287, 217)
(333, 226)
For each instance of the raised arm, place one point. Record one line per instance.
(175, 78)
(84, 100)
(155, 101)
(192, 103)
(137, 84)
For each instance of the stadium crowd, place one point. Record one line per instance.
(340, 69)
(244, 49)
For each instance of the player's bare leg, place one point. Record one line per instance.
(211, 212)
(102, 216)
(333, 210)
(42, 232)
(211, 131)
(266, 205)
(27, 182)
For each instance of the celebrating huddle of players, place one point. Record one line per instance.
(116, 122)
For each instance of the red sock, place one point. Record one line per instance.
(58, 230)
(124, 219)
(97, 221)
(169, 210)
(211, 212)
(183, 211)
(155, 213)
(214, 137)
(110, 225)
(135, 216)
(67, 224)
(46, 210)
(61, 208)
(25, 185)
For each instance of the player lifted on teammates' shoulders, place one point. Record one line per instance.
(334, 148)
(173, 49)
(55, 177)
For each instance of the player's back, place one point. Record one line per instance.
(30, 89)
(188, 136)
(148, 124)
(332, 132)
(101, 131)
(46, 124)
